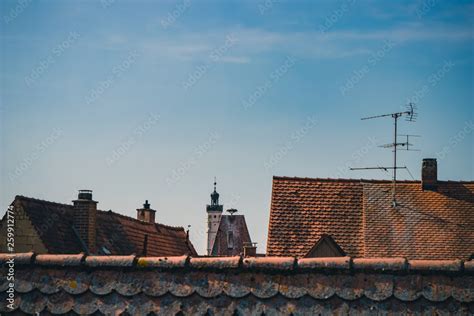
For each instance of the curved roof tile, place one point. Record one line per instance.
(225, 285)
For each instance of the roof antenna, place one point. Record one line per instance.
(410, 115)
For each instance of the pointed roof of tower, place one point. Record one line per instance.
(215, 195)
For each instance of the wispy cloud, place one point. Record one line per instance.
(412, 32)
(254, 42)
(234, 60)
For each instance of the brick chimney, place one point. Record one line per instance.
(250, 249)
(146, 214)
(429, 174)
(85, 218)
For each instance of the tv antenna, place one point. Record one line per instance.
(410, 115)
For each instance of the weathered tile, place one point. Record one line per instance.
(215, 263)
(33, 302)
(60, 302)
(436, 288)
(378, 287)
(321, 286)
(408, 287)
(293, 286)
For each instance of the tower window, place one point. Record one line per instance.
(230, 239)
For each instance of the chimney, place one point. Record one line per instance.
(84, 219)
(146, 214)
(429, 174)
(250, 249)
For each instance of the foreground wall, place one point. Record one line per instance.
(132, 285)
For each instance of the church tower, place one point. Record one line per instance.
(214, 213)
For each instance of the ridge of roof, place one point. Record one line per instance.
(306, 179)
(110, 212)
(129, 218)
(240, 262)
(22, 197)
(362, 180)
(233, 215)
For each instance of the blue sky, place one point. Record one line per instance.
(144, 100)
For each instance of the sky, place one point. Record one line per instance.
(141, 100)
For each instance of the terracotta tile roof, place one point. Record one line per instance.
(227, 285)
(163, 240)
(238, 226)
(119, 234)
(302, 210)
(358, 215)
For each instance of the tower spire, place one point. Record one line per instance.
(215, 195)
(214, 213)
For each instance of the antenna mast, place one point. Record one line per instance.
(410, 116)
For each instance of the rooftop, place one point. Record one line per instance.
(119, 234)
(359, 216)
(236, 285)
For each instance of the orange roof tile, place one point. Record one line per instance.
(358, 215)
